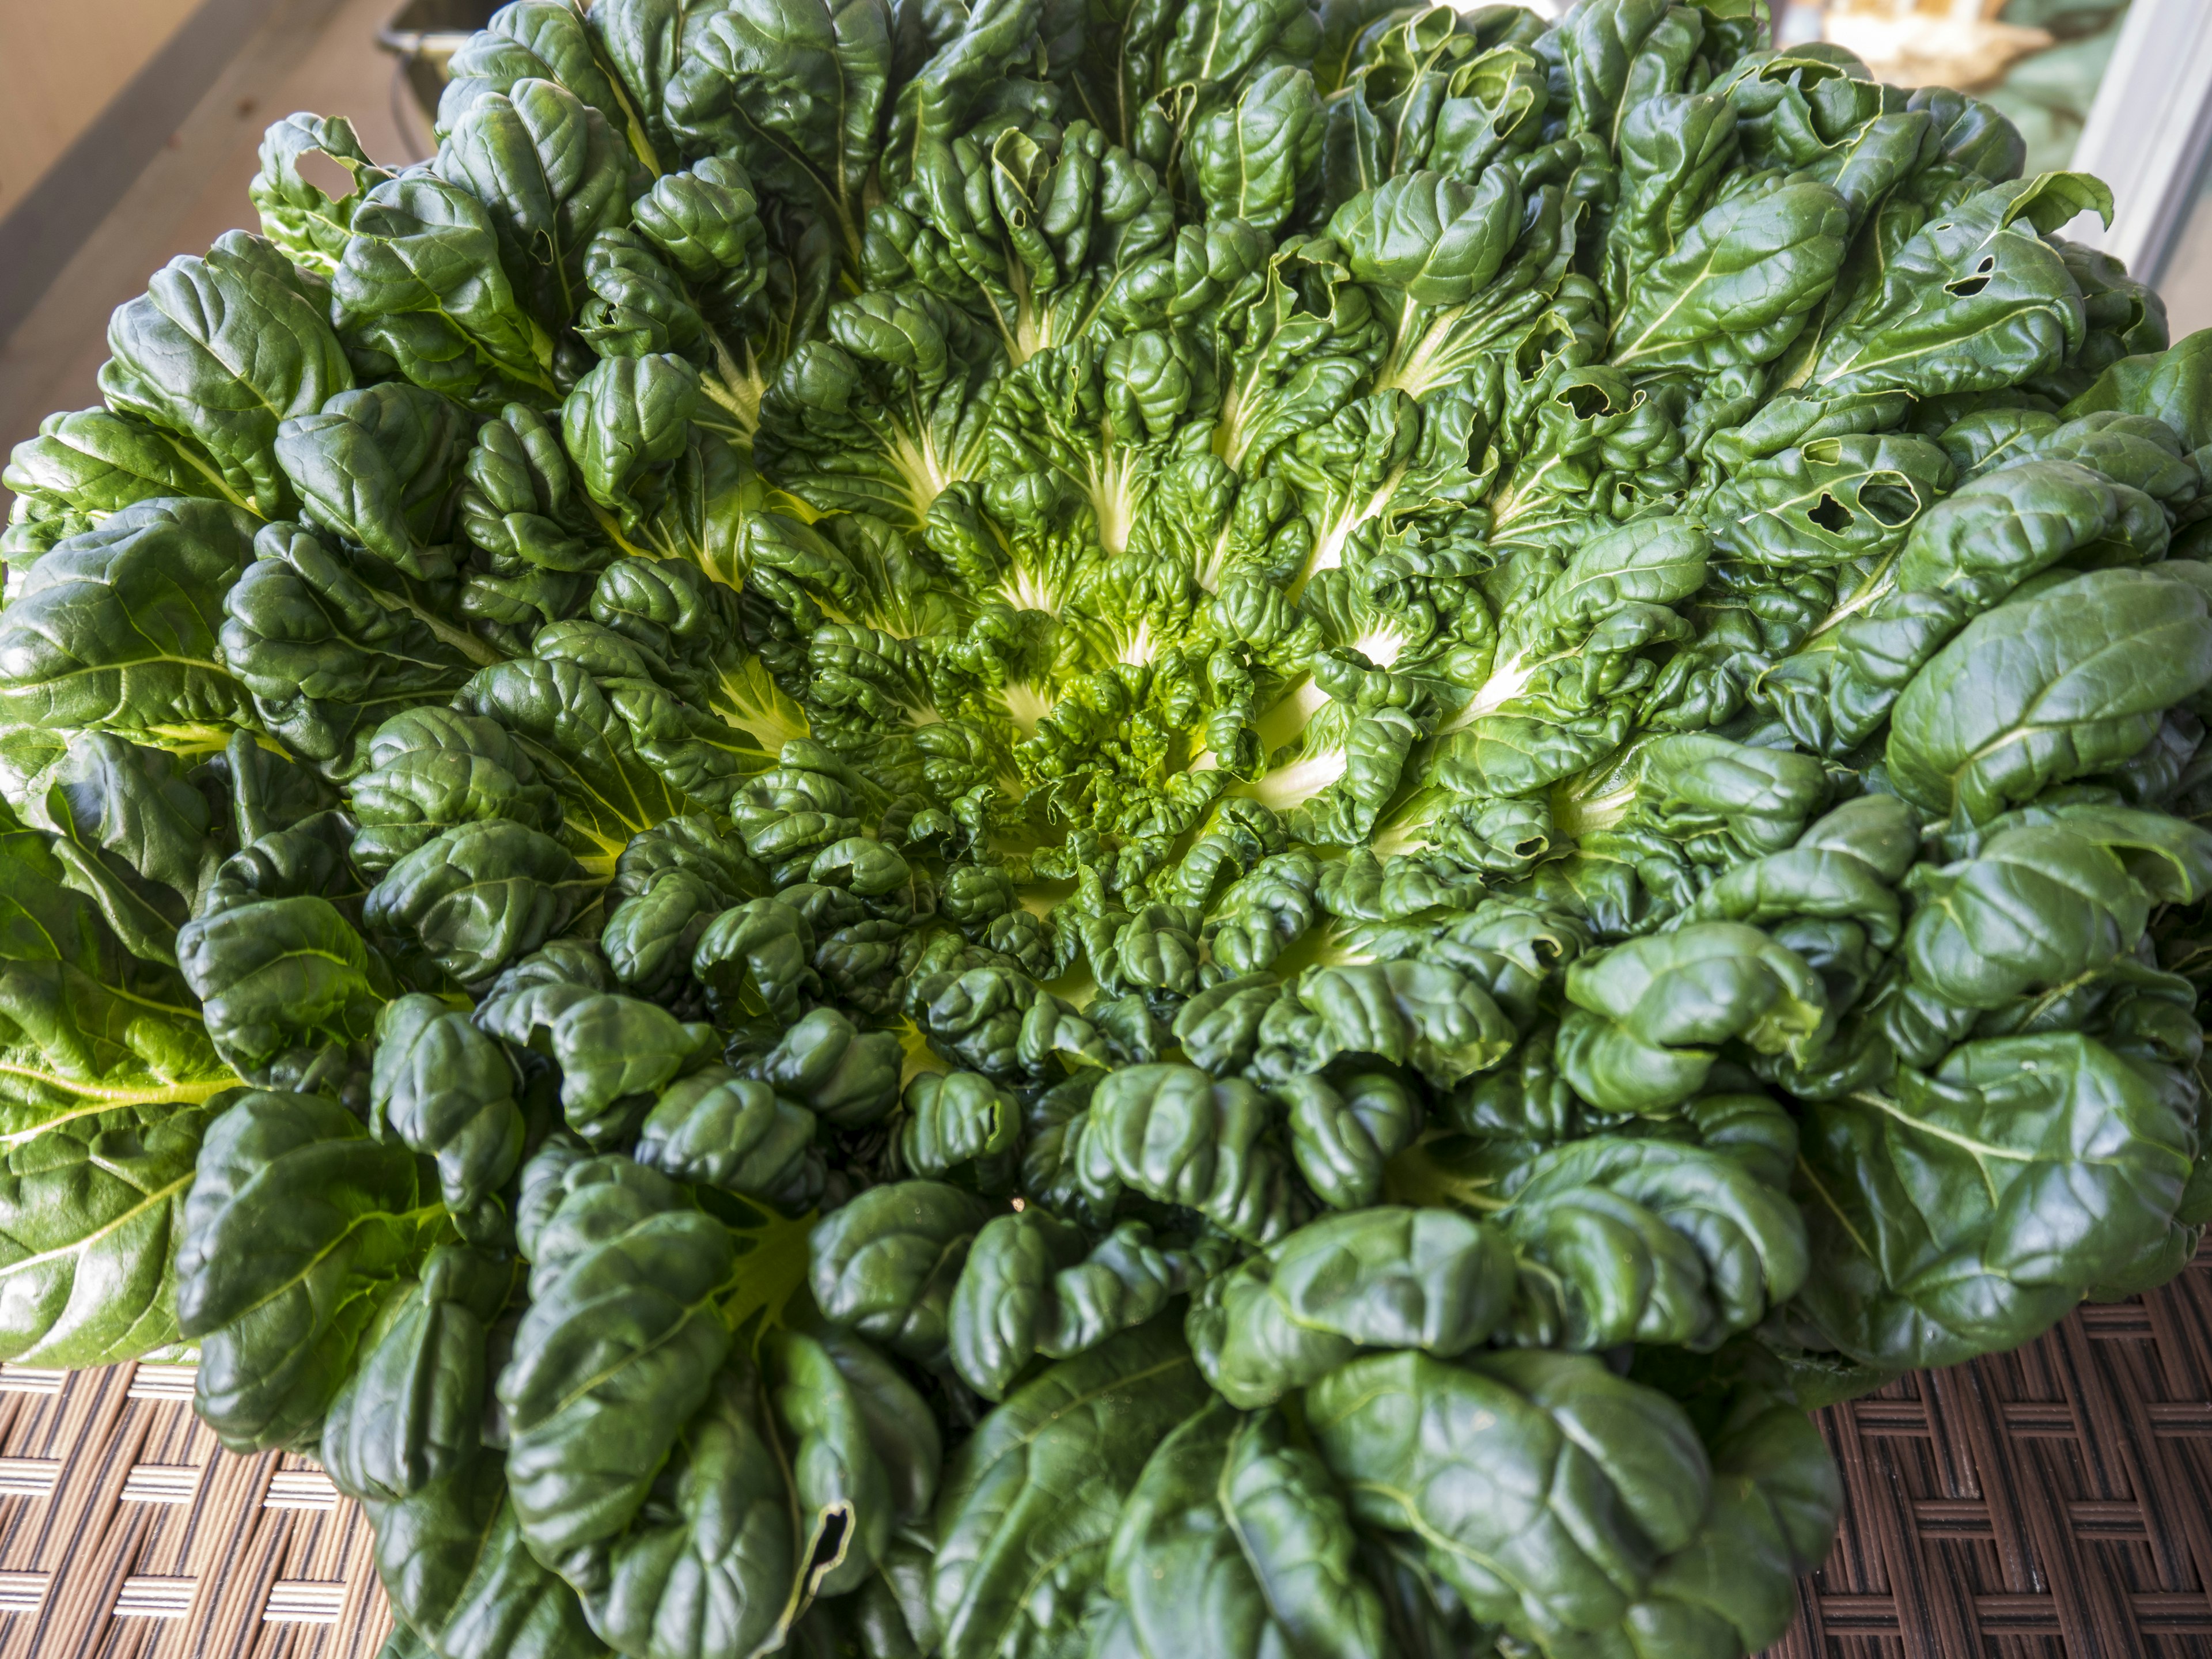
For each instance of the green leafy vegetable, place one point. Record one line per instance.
(1108, 774)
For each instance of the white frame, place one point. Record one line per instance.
(2148, 131)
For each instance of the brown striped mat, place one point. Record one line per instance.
(2051, 1503)
(126, 1532)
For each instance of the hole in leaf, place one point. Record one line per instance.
(1587, 402)
(1891, 504)
(1966, 287)
(834, 1534)
(325, 174)
(1830, 515)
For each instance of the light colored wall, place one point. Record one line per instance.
(2186, 282)
(61, 62)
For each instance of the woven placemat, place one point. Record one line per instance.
(126, 1532)
(2051, 1503)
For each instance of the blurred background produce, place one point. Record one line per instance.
(2039, 61)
